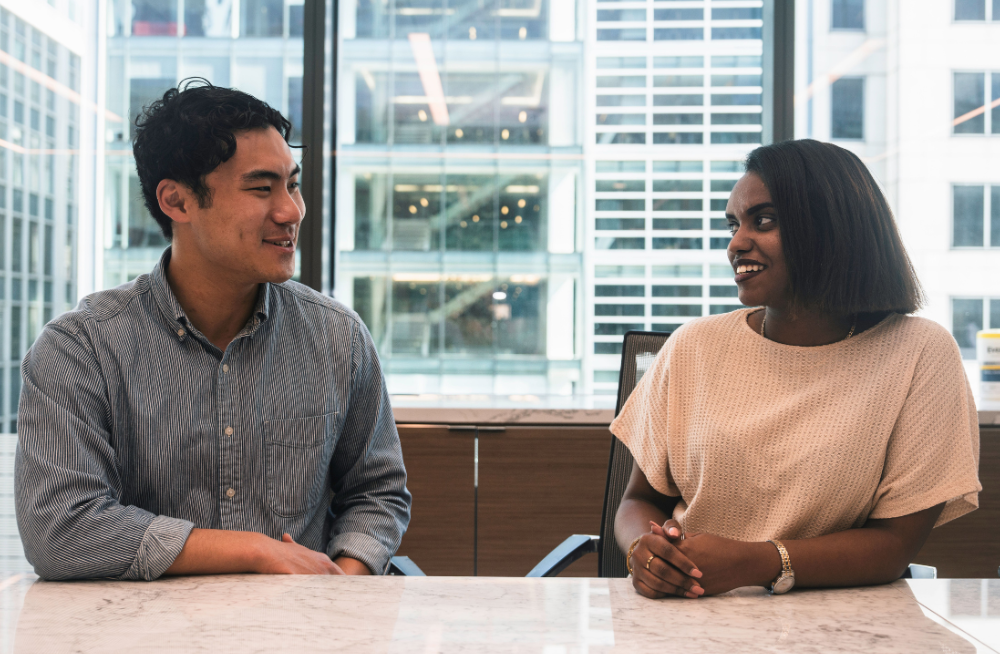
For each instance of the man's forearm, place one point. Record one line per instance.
(352, 566)
(215, 551)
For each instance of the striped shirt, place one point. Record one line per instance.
(133, 429)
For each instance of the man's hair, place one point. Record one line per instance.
(189, 132)
(842, 248)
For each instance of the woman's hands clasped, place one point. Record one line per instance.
(660, 568)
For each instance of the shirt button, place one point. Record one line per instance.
(225, 367)
(180, 332)
(229, 431)
(230, 493)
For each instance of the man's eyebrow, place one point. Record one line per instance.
(263, 173)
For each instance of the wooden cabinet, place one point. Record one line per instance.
(440, 474)
(970, 545)
(536, 486)
(539, 484)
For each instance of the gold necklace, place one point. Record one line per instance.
(849, 334)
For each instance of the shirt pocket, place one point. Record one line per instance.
(297, 453)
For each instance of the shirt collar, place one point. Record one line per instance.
(174, 312)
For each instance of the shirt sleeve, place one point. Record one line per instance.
(642, 423)
(66, 484)
(933, 452)
(371, 504)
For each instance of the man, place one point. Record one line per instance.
(211, 416)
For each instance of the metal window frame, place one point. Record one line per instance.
(779, 70)
(318, 17)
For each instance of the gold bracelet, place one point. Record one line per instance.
(631, 550)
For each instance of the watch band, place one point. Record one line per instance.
(785, 581)
(786, 561)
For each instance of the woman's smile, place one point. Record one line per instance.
(746, 269)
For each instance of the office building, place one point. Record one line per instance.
(913, 89)
(459, 179)
(674, 104)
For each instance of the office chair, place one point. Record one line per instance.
(402, 566)
(639, 349)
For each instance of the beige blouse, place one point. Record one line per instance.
(764, 440)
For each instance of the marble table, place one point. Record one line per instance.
(482, 614)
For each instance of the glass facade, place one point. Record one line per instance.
(672, 120)
(457, 191)
(253, 45)
(40, 138)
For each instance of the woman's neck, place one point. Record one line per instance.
(802, 328)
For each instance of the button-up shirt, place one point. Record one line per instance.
(133, 428)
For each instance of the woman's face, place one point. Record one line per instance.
(755, 252)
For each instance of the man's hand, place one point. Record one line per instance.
(286, 557)
(669, 571)
(728, 564)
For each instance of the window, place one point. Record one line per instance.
(847, 108)
(976, 216)
(977, 10)
(977, 103)
(970, 315)
(952, 204)
(848, 15)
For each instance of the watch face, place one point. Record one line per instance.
(783, 585)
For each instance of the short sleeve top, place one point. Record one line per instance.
(765, 440)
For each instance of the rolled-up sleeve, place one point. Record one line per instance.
(371, 504)
(67, 488)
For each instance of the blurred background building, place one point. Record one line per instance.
(913, 88)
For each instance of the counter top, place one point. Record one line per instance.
(485, 409)
(504, 409)
(482, 614)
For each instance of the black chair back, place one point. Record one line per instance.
(639, 349)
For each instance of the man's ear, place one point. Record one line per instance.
(175, 199)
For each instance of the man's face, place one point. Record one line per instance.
(249, 233)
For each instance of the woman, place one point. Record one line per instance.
(816, 439)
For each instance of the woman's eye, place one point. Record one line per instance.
(764, 220)
(732, 228)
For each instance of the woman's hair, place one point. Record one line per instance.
(841, 245)
(189, 132)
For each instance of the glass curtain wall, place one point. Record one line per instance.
(521, 182)
(459, 171)
(252, 45)
(915, 92)
(675, 103)
(48, 119)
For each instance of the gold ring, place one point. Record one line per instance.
(651, 557)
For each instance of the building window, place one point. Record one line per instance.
(968, 316)
(848, 15)
(976, 216)
(847, 108)
(977, 103)
(977, 9)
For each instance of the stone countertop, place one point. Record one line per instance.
(257, 613)
(504, 409)
(524, 410)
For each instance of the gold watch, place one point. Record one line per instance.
(786, 580)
